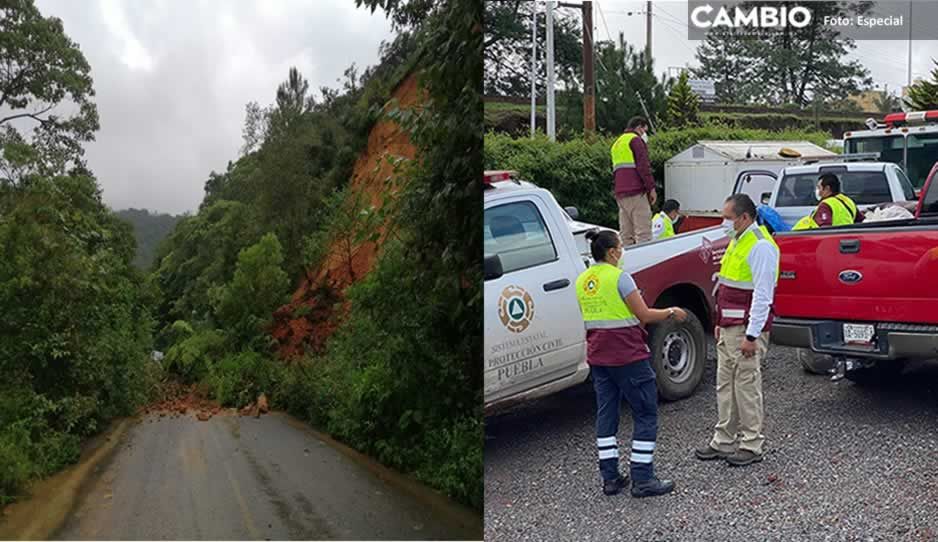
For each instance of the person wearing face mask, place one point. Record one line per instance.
(834, 209)
(748, 275)
(662, 226)
(634, 184)
(620, 365)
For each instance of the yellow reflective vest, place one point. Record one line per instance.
(668, 227)
(734, 267)
(622, 156)
(843, 208)
(597, 290)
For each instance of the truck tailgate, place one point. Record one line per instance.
(874, 273)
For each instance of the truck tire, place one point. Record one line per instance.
(679, 352)
(883, 372)
(813, 363)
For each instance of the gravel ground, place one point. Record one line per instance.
(843, 462)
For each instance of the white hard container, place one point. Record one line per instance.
(702, 176)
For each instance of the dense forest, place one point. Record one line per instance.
(149, 230)
(399, 377)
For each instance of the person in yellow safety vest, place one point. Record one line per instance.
(662, 226)
(834, 209)
(620, 365)
(749, 272)
(633, 183)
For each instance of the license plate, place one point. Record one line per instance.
(858, 333)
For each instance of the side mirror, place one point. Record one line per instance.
(492, 267)
(573, 212)
(766, 197)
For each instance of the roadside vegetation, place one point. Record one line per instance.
(578, 171)
(398, 378)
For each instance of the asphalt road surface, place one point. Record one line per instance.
(843, 462)
(237, 477)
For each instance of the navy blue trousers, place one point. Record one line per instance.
(635, 383)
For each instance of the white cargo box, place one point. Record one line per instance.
(702, 176)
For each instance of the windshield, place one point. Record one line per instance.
(922, 153)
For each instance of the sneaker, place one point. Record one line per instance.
(613, 487)
(652, 488)
(707, 452)
(743, 457)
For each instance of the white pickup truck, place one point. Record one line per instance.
(791, 191)
(535, 342)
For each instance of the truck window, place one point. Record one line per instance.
(517, 233)
(907, 191)
(797, 191)
(923, 153)
(862, 187)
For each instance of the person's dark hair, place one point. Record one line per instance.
(742, 204)
(670, 205)
(601, 242)
(830, 181)
(635, 122)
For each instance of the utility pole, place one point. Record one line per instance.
(589, 83)
(533, 68)
(909, 78)
(648, 32)
(551, 114)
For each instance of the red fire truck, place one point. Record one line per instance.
(907, 139)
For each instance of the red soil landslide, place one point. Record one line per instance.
(180, 400)
(321, 293)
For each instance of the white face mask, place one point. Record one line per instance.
(728, 228)
(817, 194)
(645, 138)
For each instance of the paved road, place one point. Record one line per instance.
(844, 462)
(237, 477)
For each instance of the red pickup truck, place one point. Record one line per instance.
(866, 294)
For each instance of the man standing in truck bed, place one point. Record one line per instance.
(634, 185)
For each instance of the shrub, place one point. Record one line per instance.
(579, 172)
(238, 379)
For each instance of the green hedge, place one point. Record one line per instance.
(578, 172)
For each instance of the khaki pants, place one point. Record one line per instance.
(739, 393)
(634, 219)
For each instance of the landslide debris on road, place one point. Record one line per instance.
(178, 399)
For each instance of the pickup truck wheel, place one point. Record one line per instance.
(883, 372)
(818, 364)
(679, 351)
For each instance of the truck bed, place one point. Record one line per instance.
(870, 272)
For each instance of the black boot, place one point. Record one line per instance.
(652, 488)
(613, 487)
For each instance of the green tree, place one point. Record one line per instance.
(507, 48)
(788, 66)
(620, 76)
(923, 94)
(886, 102)
(683, 105)
(244, 307)
(46, 107)
(723, 57)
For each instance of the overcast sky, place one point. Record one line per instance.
(172, 78)
(886, 60)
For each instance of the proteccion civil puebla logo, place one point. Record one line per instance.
(591, 285)
(515, 308)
